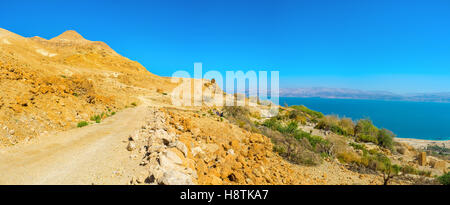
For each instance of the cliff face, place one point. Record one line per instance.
(53, 84)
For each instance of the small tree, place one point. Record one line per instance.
(365, 127)
(386, 138)
(389, 172)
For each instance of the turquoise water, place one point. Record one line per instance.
(420, 120)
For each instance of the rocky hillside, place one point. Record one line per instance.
(53, 84)
(57, 93)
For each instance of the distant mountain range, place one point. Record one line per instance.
(343, 93)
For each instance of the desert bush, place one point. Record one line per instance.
(239, 115)
(347, 125)
(256, 115)
(365, 131)
(333, 123)
(236, 111)
(349, 157)
(297, 116)
(82, 124)
(378, 162)
(290, 128)
(293, 136)
(312, 113)
(386, 138)
(367, 138)
(401, 150)
(292, 149)
(444, 179)
(408, 169)
(411, 170)
(271, 123)
(357, 146)
(424, 173)
(96, 118)
(316, 140)
(366, 127)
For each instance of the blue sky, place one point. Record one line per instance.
(396, 45)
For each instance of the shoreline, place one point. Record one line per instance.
(421, 143)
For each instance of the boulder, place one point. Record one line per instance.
(174, 177)
(131, 146)
(196, 150)
(169, 158)
(441, 165)
(182, 147)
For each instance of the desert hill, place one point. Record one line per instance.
(52, 84)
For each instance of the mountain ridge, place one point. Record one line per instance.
(345, 93)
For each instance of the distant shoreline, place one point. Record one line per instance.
(371, 99)
(421, 143)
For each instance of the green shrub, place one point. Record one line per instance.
(367, 132)
(271, 123)
(349, 157)
(240, 116)
(308, 111)
(333, 123)
(386, 138)
(279, 149)
(424, 173)
(314, 143)
(298, 151)
(378, 161)
(297, 116)
(445, 179)
(316, 140)
(358, 146)
(82, 124)
(366, 127)
(290, 128)
(96, 118)
(367, 138)
(408, 169)
(133, 104)
(294, 114)
(347, 125)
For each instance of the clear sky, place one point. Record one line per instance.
(394, 45)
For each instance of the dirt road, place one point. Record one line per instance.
(95, 154)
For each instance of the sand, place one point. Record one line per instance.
(421, 144)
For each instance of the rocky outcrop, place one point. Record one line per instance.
(163, 155)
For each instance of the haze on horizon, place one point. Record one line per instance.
(398, 46)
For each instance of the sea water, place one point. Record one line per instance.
(419, 120)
